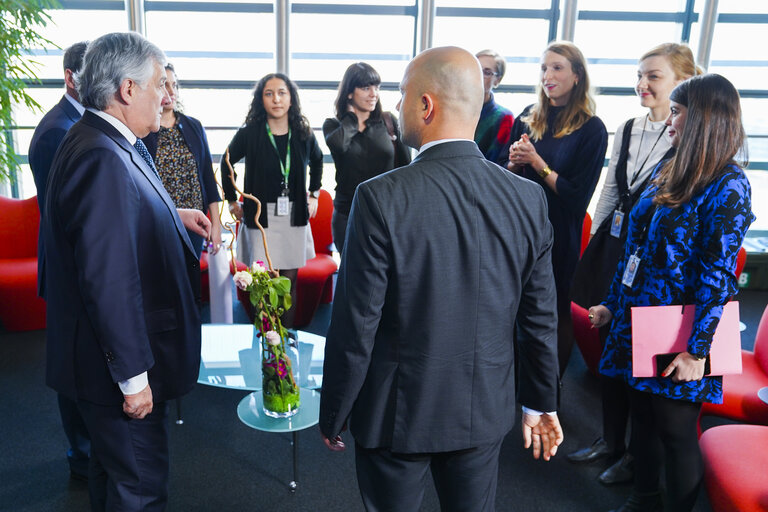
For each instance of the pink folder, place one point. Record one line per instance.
(663, 329)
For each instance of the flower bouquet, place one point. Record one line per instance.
(271, 297)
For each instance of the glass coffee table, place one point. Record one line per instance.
(230, 357)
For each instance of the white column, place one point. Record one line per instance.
(282, 14)
(568, 28)
(136, 19)
(427, 11)
(708, 21)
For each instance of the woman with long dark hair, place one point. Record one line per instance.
(640, 144)
(560, 143)
(363, 139)
(685, 232)
(183, 160)
(278, 145)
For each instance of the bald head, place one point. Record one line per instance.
(442, 96)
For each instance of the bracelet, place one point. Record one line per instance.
(546, 171)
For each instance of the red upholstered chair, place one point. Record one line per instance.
(315, 280)
(20, 307)
(586, 338)
(740, 400)
(586, 227)
(735, 458)
(741, 260)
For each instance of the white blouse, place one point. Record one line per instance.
(648, 143)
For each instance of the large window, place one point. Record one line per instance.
(220, 49)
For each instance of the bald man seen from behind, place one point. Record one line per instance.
(445, 259)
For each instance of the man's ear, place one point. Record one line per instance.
(126, 93)
(427, 107)
(69, 79)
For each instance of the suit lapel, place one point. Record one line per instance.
(148, 173)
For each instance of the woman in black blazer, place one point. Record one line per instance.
(183, 161)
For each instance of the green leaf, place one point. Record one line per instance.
(282, 284)
(273, 297)
(287, 301)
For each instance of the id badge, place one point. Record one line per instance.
(282, 206)
(630, 271)
(618, 220)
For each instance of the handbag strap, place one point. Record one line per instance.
(621, 167)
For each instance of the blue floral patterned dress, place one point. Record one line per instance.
(688, 256)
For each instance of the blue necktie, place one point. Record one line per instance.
(142, 149)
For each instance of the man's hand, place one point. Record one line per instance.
(337, 445)
(139, 405)
(195, 221)
(236, 210)
(544, 433)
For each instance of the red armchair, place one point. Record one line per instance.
(315, 280)
(735, 459)
(20, 307)
(740, 400)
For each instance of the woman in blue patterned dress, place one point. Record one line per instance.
(684, 234)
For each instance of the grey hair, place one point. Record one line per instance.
(109, 60)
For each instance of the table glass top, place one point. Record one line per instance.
(250, 411)
(229, 359)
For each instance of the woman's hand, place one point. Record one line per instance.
(685, 368)
(599, 315)
(236, 209)
(523, 152)
(312, 205)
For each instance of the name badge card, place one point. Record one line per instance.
(630, 271)
(618, 220)
(282, 206)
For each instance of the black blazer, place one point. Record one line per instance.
(197, 142)
(445, 260)
(45, 141)
(123, 281)
(261, 167)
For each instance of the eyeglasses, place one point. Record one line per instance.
(489, 72)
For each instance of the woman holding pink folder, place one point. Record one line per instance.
(684, 235)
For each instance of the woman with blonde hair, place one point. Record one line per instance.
(560, 143)
(640, 144)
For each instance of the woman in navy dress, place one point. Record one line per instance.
(560, 143)
(684, 234)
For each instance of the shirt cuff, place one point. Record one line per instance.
(134, 384)
(534, 412)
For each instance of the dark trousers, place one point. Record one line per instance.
(77, 435)
(339, 229)
(615, 401)
(664, 434)
(129, 458)
(465, 480)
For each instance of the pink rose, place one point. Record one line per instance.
(242, 279)
(272, 338)
(258, 266)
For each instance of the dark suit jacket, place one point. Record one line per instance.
(122, 279)
(197, 142)
(45, 141)
(444, 260)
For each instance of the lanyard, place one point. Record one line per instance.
(640, 146)
(285, 169)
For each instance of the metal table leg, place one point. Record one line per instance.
(295, 442)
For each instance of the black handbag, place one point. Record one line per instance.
(597, 266)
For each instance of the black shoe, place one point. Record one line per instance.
(621, 472)
(637, 502)
(598, 450)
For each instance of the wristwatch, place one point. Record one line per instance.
(546, 171)
(313, 194)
